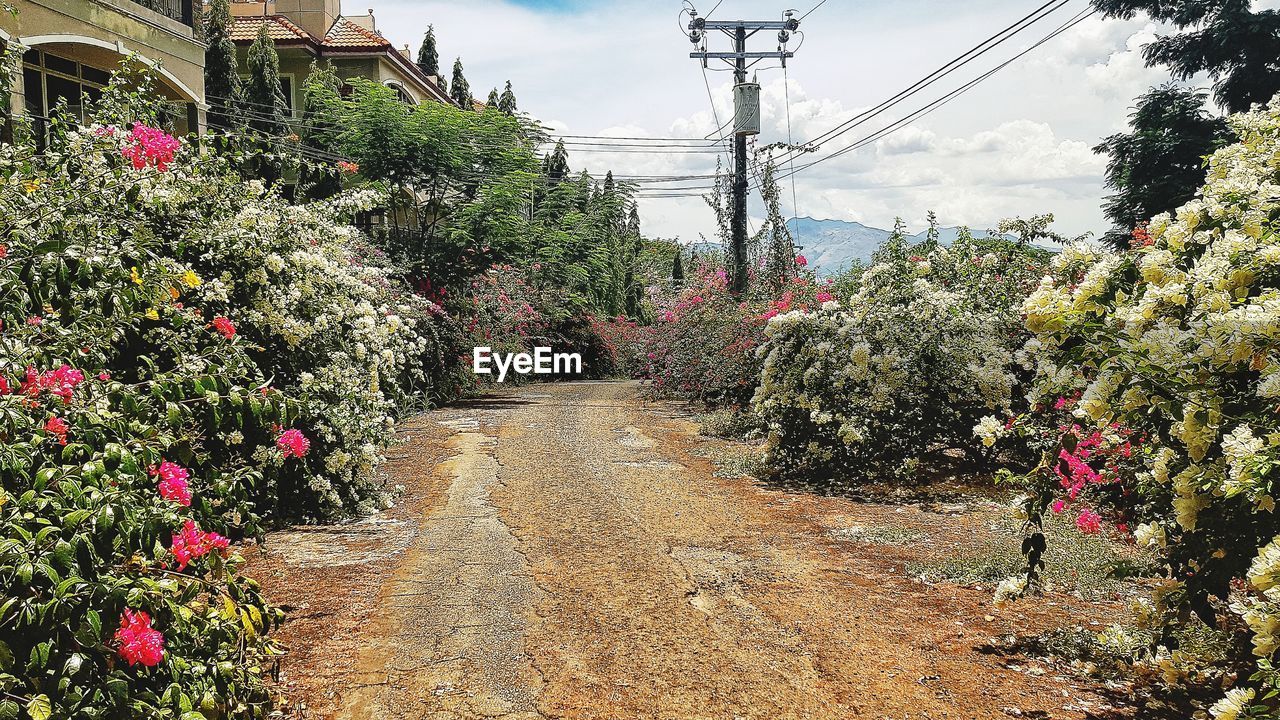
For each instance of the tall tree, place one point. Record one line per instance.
(492, 102)
(459, 89)
(221, 69)
(321, 129)
(1238, 47)
(1158, 165)
(507, 103)
(556, 164)
(267, 107)
(428, 55)
(677, 269)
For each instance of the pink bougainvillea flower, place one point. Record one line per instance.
(802, 261)
(824, 296)
(150, 146)
(4, 386)
(225, 327)
(35, 321)
(192, 543)
(1059, 505)
(173, 484)
(349, 168)
(104, 376)
(1089, 522)
(140, 644)
(61, 382)
(4, 251)
(293, 442)
(58, 428)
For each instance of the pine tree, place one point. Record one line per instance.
(556, 165)
(459, 89)
(492, 102)
(221, 69)
(1226, 39)
(428, 55)
(1159, 165)
(507, 103)
(320, 128)
(677, 270)
(262, 91)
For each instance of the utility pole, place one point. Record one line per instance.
(746, 101)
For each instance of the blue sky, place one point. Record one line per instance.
(1018, 144)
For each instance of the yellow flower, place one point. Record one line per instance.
(173, 293)
(30, 185)
(190, 279)
(153, 314)
(133, 275)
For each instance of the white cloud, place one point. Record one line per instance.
(1019, 143)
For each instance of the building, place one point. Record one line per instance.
(306, 31)
(74, 45)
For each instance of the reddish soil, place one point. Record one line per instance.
(562, 551)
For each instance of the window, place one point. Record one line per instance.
(49, 79)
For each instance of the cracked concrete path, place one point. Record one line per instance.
(570, 558)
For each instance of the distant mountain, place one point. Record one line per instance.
(832, 245)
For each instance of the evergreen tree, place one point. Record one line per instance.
(459, 89)
(221, 68)
(1238, 47)
(262, 91)
(492, 102)
(321, 129)
(1158, 165)
(677, 270)
(428, 55)
(556, 164)
(780, 249)
(266, 103)
(507, 103)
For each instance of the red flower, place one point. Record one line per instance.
(61, 382)
(225, 327)
(349, 168)
(4, 251)
(104, 376)
(58, 428)
(192, 543)
(35, 321)
(801, 260)
(139, 642)
(150, 146)
(293, 442)
(1089, 522)
(173, 483)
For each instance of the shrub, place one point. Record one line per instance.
(922, 349)
(1177, 341)
(132, 423)
(703, 343)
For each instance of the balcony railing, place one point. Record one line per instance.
(180, 10)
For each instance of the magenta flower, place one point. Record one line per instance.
(293, 442)
(192, 543)
(140, 644)
(173, 484)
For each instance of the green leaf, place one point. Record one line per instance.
(39, 708)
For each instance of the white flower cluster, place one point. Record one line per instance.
(1181, 339)
(917, 355)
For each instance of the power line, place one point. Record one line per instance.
(940, 102)
(815, 7)
(948, 68)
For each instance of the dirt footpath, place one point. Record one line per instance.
(560, 553)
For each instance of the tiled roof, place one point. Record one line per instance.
(346, 34)
(245, 29)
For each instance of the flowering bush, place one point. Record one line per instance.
(1178, 342)
(180, 352)
(703, 341)
(921, 350)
